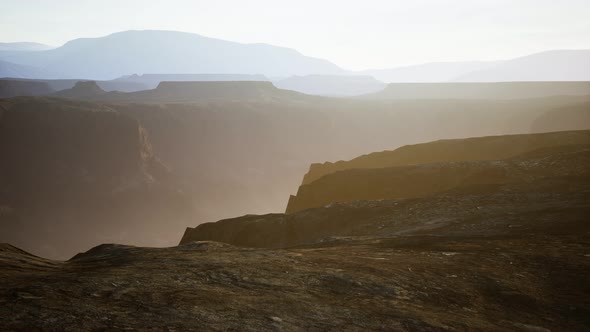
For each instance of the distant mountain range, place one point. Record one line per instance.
(555, 65)
(139, 52)
(171, 53)
(558, 65)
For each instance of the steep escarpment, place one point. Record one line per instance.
(78, 168)
(231, 157)
(477, 148)
(427, 179)
(367, 202)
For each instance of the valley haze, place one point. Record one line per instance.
(382, 166)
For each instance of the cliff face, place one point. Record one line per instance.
(75, 168)
(427, 179)
(478, 148)
(479, 198)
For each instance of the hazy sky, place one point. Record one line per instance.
(353, 34)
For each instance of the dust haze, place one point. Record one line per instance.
(156, 178)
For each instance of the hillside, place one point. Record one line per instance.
(492, 91)
(152, 51)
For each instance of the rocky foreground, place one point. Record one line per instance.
(521, 263)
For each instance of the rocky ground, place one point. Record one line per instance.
(527, 271)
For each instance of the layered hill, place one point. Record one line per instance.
(65, 183)
(492, 91)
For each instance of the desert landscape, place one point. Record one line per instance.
(160, 180)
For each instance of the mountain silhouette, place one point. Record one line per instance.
(151, 51)
(553, 65)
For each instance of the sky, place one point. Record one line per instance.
(355, 35)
